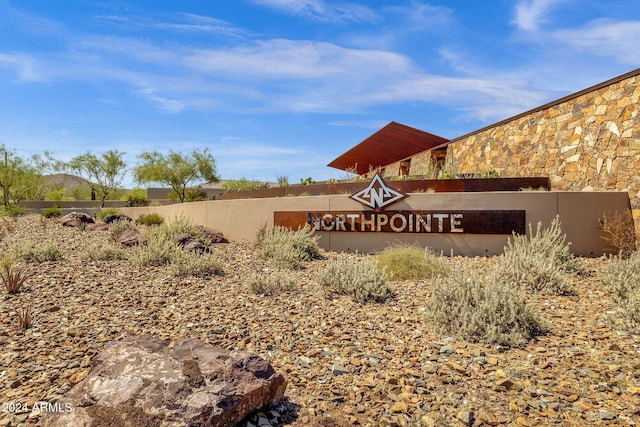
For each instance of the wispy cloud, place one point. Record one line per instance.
(605, 37)
(529, 14)
(322, 11)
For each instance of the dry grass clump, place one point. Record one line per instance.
(182, 225)
(156, 251)
(13, 276)
(621, 278)
(619, 231)
(360, 278)
(271, 283)
(403, 262)
(477, 307)
(36, 252)
(287, 248)
(202, 265)
(540, 261)
(103, 252)
(25, 318)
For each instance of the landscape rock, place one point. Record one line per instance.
(111, 218)
(152, 382)
(190, 243)
(214, 235)
(130, 237)
(75, 219)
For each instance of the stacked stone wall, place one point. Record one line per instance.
(590, 142)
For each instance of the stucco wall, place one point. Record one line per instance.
(578, 211)
(588, 143)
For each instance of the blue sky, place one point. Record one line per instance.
(282, 87)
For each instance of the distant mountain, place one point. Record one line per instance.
(60, 180)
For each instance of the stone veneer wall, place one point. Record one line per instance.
(589, 142)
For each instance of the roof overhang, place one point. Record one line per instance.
(392, 143)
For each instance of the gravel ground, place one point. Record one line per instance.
(346, 363)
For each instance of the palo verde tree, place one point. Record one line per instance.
(175, 169)
(104, 173)
(22, 178)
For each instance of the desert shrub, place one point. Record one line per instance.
(402, 262)
(182, 225)
(477, 307)
(105, 212)
(243, 184)
(118, 227)
(618, 229)
(360, 278)
(36, 252)
(103, 252)
(540, 261)
(13, 276)
(150, 219)
(195, 264)
(270, 283)
(52, 212)
(621, 278)
(288, 248)
(156, 251)
(12, 210)
(137, 197)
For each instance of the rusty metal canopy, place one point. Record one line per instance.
(392, 143)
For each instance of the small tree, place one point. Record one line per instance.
(104, 173)
(175, 169)
(22, 178)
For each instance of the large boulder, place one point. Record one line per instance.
(214, 236)
(190, 243)
(145, 381)
(75, 219)
(111, 218)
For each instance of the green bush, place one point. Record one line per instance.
(360, 278)
(53, 212)
(540, 261)
(403, 262)
(195, 264)
(621, 278)
(105, 212)
(243, 184)
(288, 248)
(481, 308)
(137, 197)
(270, 283)
(103, 252)
(150, 219)
(12, 210)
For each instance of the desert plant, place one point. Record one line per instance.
(36, 252)
(137, 197)
(12, 210)
(403, 261)
(25, 318)
(13, 276)
(307, 181)
(103, 252)
(150, 219)
(270, 283)
(621, 278)
(182, 225)
(283, 181)
(619, 231)
(195, 264)
(157, 251)
(478, 307)
(105, 212)
(360, 278)
(491, 174)
(539, 261)
(52, 212)
(288, 248)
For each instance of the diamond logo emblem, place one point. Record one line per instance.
(377, 195)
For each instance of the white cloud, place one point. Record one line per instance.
(531, 13)
(322, 11)
(605, 37)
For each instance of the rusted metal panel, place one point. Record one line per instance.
(419, 221)
(390, 144)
